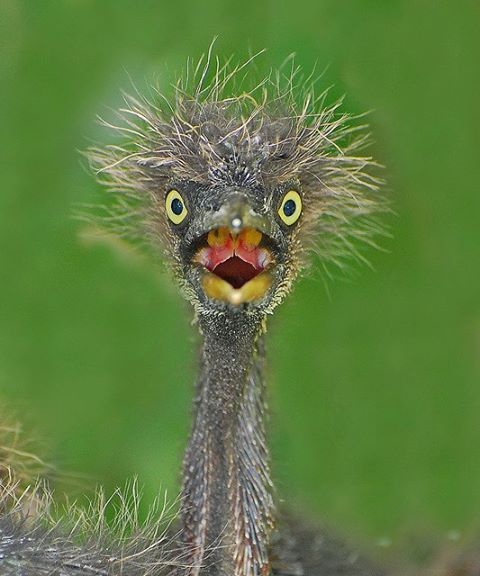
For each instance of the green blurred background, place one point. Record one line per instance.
(375, 388)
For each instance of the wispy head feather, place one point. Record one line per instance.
(220, 125)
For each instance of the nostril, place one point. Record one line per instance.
(212, 207)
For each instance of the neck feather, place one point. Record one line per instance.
(227, 506)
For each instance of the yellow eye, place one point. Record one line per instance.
(291, 207)
(175, 207)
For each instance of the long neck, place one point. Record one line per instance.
(227, 507)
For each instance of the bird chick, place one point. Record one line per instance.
(236, 187)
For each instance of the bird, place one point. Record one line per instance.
(239, 185)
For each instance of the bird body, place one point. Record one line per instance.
(236, 191)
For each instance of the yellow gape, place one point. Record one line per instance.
(291, 207)
(175, 207)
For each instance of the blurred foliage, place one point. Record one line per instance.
(375, 387)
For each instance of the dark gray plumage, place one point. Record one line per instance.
(236, 191)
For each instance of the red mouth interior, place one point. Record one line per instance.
(236, 271)
(237, 259)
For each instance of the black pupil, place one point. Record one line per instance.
(289, 208)
(177, 206)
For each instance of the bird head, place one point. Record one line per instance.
(234, 246)
(238, 190)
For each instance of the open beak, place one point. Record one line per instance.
(236, 264)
